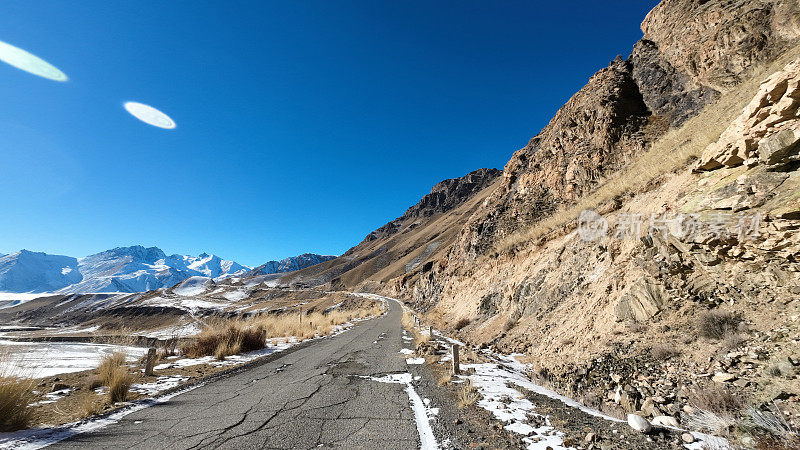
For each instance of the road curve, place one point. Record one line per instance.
(321, 395)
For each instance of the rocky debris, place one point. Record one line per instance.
(639, 423)
(665, 421)
(774, 109)
(723, 377)
(643, 300)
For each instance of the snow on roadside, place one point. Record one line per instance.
(33, 439)
(510, 406)
(423, 414)
(161, 384)
(44, 359)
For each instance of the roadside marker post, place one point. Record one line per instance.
(456, 362)
(150, 361)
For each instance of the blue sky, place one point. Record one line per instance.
(302, 125)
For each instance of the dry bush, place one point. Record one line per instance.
(461, 323)
(109, 365)
(118, 384)
(716, 399)
(769, 429)
(717, 409)
(468, 394)
(715, 324)
(446, 378)
(663, 352)
(226, 338)
(15, 395)
(90, 405)
(732, 340)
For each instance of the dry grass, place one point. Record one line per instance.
(230, 337)
(663, 352)
(446, 378)
(468, 394)
(109, 366)
(717, 410)
(225, 338)
(112, 373)
(669, 153)
(90, 405)
(715, 324)
(118, 385)
(15, 395)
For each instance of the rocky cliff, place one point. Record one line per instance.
(690, 279)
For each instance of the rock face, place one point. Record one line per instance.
(768, 129)
(444, 196)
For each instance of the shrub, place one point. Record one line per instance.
(118, 384)
(15, 395)
(461, 323)
(663, 352)
(716, 323)
(225, 339)
(468, 395)
(446, 378)
(108, 367)
(716, 399)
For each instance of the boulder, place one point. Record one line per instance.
(687, 438)
(666, 421)
(723, 377)
(780, 149)
(765, 128)
(639, 423)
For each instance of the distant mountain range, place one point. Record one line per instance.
(125, 269)
(291, 264)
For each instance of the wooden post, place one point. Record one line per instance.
(300, 317)
(430, 332)
(150, 361)
(456, 362)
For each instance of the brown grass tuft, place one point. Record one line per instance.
(118, 385)
(90, 405)
(446, 378)
(109, 366)
(468, 394)
(15, 395)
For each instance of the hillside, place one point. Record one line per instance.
(684, 155)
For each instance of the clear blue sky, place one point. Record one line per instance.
(302, 125)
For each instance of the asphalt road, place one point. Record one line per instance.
(317, 396)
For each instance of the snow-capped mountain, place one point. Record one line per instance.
(291, 264)
(27, 271)
(122, 269)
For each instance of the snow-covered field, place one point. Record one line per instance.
(44, 359)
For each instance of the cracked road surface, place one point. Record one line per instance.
(316, 396)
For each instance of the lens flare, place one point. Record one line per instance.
(150, 115)
(23, 60)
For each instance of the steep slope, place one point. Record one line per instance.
(27, 271)
(637, 320)
(406, 243)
